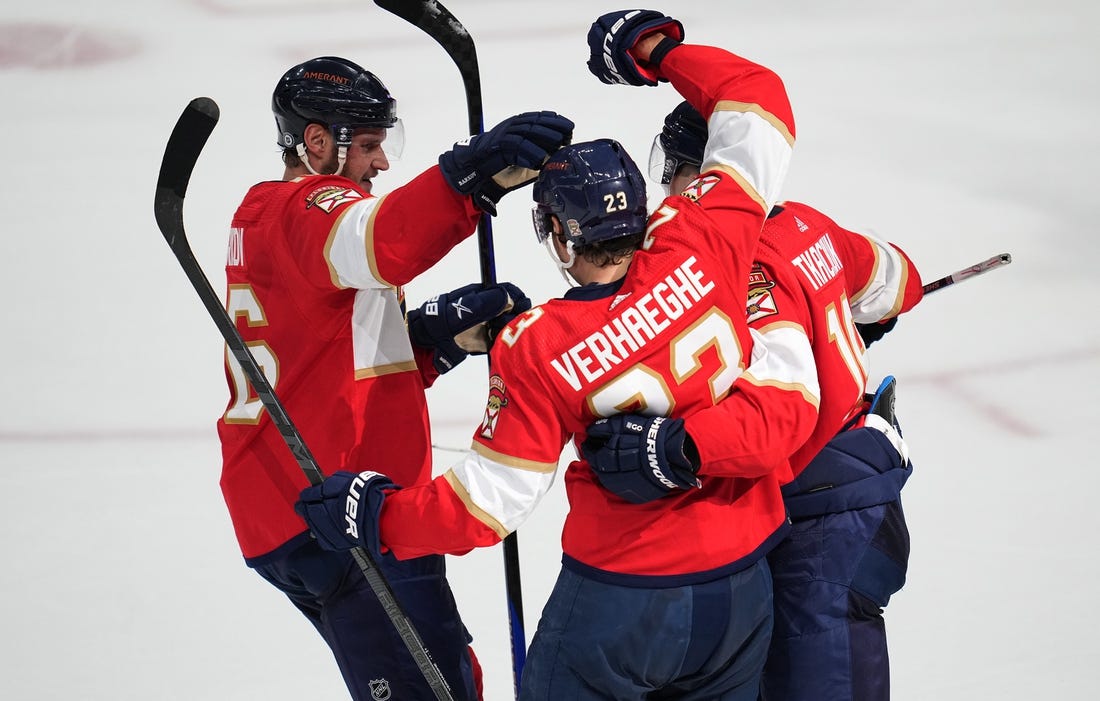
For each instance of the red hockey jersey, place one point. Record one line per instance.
(815, 278)
(671, 339)
(314, 272)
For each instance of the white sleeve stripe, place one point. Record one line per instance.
(882, 296)
(776, 122)
(349, 250)
(500, 496)
(750, 145)
(378, 342)
(782, 357)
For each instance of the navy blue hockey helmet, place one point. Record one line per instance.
(682, 141)
(594, 189)
(334, 92)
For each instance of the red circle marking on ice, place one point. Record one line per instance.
(51, 46)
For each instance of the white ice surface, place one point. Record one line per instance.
(957, 129)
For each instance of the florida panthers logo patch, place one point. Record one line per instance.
(761, 301)
(700, 186)
(330, 197)
(497, 401)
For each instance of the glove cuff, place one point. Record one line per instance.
(487, 195)
(660, 51)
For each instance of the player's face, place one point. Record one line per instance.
(366, 158)
(684, 175)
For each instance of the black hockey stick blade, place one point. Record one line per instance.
(985, 266)
(436, 21)
(180, 155)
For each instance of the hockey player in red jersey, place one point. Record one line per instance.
(315, 268)
(848, 548)
(671, 599)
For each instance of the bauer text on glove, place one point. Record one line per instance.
(612, 37)
(343, 510)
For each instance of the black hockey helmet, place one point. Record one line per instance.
(681, 141)
(595, 190)
(334, 92)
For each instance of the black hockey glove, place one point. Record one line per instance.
(614, 34)
(873, 332)
(641, 458)
(504, 158)
(464, 321)
(343, 510)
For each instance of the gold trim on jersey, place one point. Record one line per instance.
(776, 122)
(509, 461)
(740, 180)
(333, 275)
(379, 370)
(787, 386)
(368, 243)
(474, 510)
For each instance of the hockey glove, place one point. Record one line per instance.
(873, 332)
(641, 458)
(614, 34)
(343, 510)
(464, 321)
(504, 158)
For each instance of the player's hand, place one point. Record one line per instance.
(873, 332)
(343, 510)
(612, 38)
(464, 321)
(504, 158)
(641, 458)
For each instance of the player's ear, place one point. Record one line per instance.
(315, 138)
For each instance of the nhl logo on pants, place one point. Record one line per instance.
(379, 689)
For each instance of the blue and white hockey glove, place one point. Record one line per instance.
(504, 158)
(343, 510)
(614, 34)
(464, 321)
(641, 458)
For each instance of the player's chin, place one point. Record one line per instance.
(365, 185)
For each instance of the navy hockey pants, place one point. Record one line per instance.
(602, 641)
(330, 589)
(833, 574)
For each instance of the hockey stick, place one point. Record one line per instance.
(966, 273)
(180, 155)
(437, 22)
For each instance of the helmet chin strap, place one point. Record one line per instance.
(341, 157)
(563, 265)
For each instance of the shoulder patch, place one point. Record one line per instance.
(497, 401)
(700, 186)
(329, 197)
(761, 302)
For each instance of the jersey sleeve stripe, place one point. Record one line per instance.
(783, 358)
(474, 510)
(883, 294)
(513, 462)
(380, 370)
(753, 146)
(349, 250)
(776, 122)
(498, 495)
